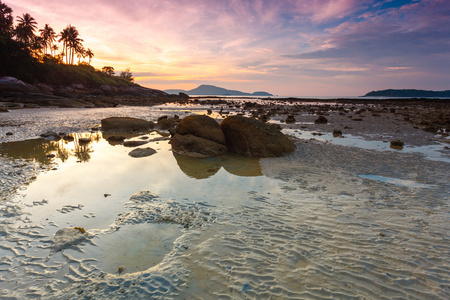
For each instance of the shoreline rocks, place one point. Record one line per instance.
(125, 124)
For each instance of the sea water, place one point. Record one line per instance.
(328, 221)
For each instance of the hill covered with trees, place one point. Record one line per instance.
(43, 56)
(409, 93)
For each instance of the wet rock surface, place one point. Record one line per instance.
(250, 137)
(203, 127)
(193, 146)
(142, 152)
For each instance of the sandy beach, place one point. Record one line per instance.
(347, 215)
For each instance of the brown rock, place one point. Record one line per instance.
(202, 126)
(321, 120)
(134, 143)
(194, 146)
(142, 152)
(254, 138)
(124, 124)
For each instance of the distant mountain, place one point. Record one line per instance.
(409, 93)
(211, 90)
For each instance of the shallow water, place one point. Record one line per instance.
(328, 221)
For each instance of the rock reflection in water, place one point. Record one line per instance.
(201, 168)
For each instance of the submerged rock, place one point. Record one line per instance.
(142, 152)
(194, 146)
(124, 124)
(51, 135)
(66, 237)
(254, 138)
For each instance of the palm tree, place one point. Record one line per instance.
(48, 37)
(25, 29)
(81, 52)
(89, 54)
(64, 37)
(72, 42)
(54, 48)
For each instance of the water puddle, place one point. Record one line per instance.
(396, 181)
(96, 222)
(431, 152)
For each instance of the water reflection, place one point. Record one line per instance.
(201, 168)
(43, 151)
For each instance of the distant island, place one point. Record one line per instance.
(409, 93)
(211, 90)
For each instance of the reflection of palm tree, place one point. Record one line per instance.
(25, 28)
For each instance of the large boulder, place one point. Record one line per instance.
(125, 124)
(250, 137)
(202, 126)
(193, 146)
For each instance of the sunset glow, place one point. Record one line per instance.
(288, 47)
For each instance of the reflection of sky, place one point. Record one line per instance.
(111, 170)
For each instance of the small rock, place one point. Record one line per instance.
(397, 143)
(9, 133)
(51, 135)
(134, 143)
(337, 133)
(84, 141)
(142, 152)
(51, 155)
(3, 110)
(290, 119)
(68, 138)
(116, 139)
(321, 120)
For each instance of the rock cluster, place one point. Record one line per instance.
(201, 136)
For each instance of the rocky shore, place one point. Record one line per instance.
(15, 94)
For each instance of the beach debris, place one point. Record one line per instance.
(321, 120)
(106, 195)
(142, 152)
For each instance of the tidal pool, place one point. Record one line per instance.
(328, 221)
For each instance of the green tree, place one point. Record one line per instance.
(127, 75)
(108, 70)
(25, 29)
(6, 20)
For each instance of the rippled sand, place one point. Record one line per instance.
(334, 220)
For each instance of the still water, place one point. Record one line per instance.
(329, 221)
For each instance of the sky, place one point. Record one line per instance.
(284, 47)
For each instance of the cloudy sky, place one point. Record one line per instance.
(285, 47)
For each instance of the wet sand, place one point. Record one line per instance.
(341, 217)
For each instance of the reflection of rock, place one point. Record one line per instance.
(124, 124)
(134, 143)
(193, 146)
(142, 152)
(202, 126)
(242, 166)
(254, 138)
(199, 168)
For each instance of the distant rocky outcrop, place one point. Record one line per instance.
(16, 93)
(409, 93)
(251, 137)
(211, 90)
